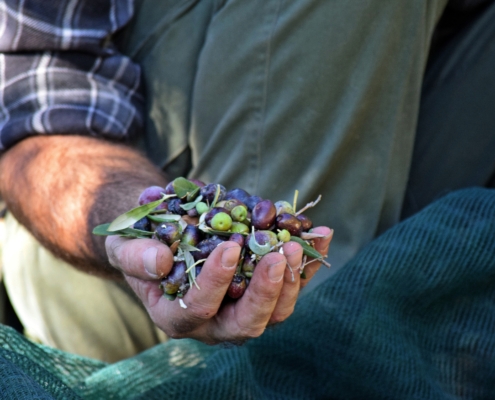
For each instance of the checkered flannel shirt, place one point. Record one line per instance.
(59, 73)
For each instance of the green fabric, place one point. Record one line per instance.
(412, 316)
(273, 96)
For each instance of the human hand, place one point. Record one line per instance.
(269, 298)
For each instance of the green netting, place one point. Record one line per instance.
(412, 316)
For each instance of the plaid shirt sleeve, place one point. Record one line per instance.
(60, 74)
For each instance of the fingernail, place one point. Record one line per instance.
(149, 261)
(276, 271)
(230, 257)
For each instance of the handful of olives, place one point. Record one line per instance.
(193, 218)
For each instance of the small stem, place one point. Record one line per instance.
(309, 205)
(294, 204)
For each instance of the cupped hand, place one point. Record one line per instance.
(207, 316)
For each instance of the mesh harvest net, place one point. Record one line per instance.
(412, 316)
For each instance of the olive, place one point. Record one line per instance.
(237, 287)
(197, 182)
(262, 238)
(239, 227)
(193, 213)
(174, 206)
(307, 224)
(221, 222)
(289, 222)
(168, 232)
(248, 265)
(191, 235)
(238, 238)
(283, 235)
(239, 213)
(263, 215)
(150, 194)
(237, 194)
(205, 247)
(283, 207)
(175, 279)
(202, 208)
(214, 211)
(251, 201)
(209, 191)
(169, 189)
(144, 224)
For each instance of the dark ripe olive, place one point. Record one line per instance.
(197, 182)
(174, 206)
(248, 265)
(289, 222)
(169, 189)
(238, 238)
(262, 237)
(150, 194)
(143, 224)
(214, 211)
(283, 207)
(198, 269)
(191, 235)
(263, 215)
(251, 201)
(205, 247)
(209, 191)
(237, 286)
(162, 206)
(237, 194)
(216, 239)
(175, 279)
(306, 223)
(193, 213)
(168, 232)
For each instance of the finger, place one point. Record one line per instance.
(146, 259)
(321, 245)
(200, 305)
(248, 316)
(290, 290)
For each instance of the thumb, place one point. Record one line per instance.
(146, 259)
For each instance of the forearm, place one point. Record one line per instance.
(61, 187)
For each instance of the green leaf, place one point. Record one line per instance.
(307, 249)
(128, 218)
(192, 195)
(187, 247)
(183, 187)
(102, 230)
(164, 217)
(257, 248)
(192, 204)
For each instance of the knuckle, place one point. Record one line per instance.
(278, 317)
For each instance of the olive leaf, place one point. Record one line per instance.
(187, 247)
(102, 230)
(256, 248)
(184, 187)
(164, 217)
(192, 204)
(128, 218)
(307, 249)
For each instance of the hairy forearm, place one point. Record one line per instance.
(61, 187)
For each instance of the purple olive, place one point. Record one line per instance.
(193, 213)
(230, 204)
(151, 194)
(252, 201)
(262, 238)
(168, 232)
(169, 189)
(306, 223)
(237, 286)
(289, 222)
(209, 191)
(238, 238)
(283, 207)
(197, 182)
(191, 235)
(144, 224)
(174, 206)
(263, 215)
(237, 194)
(175, 279)
(205, 247)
